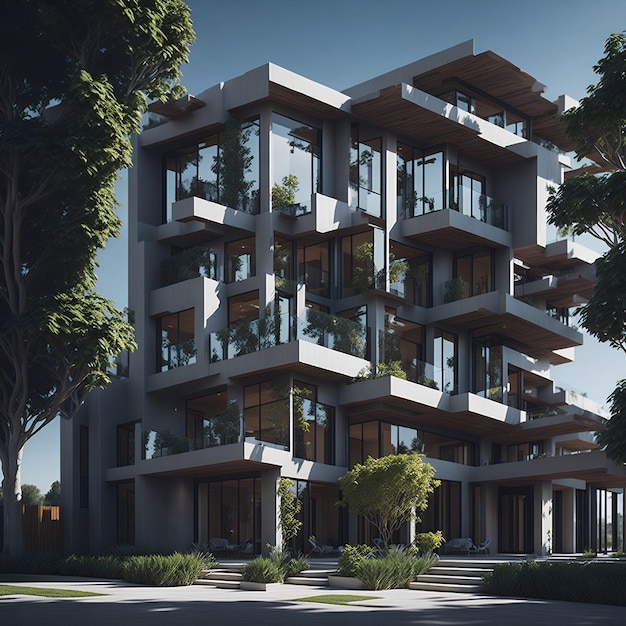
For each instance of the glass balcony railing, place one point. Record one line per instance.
(331, 331)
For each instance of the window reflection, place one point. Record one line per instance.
(176, 340)
(296, 154)
(365, 172)
(420, 181)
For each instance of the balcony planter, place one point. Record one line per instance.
(246, 585)
(345, 582)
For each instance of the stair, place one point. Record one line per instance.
(311, 577)
(220, 578)
(454, 575)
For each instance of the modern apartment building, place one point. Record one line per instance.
(320, 276)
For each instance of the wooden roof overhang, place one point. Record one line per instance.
(492, 77)
(390, 110)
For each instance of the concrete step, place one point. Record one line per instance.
(427, 586)
(312, 581)
(220, 574)
(220, 584)
(457, 580)
(459, 571)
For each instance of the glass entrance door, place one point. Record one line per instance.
(515, 520)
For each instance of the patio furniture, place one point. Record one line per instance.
(319, 548)
(483, 548)
(459, 544)
(219, 544)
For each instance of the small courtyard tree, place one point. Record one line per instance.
(289, 510)
(595, 203)
(388, 492)
(75, 76)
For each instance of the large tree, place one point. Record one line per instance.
(595, 203)
(75, 76)
(388, 492)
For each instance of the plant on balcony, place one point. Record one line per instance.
(166, 443)
(348, 336)
(453, 289)
(284, 196)
(245, 338)
(227, 425)
(232, 164)
(190, 263)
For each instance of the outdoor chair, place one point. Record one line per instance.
(483, 548)
(319, 548)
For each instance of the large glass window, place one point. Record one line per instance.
(126, 444)
(314, 425)
(222, 167)
(314, 267)
(212, 420)
(446, 361)
(488, 369)
(366, 172)
(401, 344)
(176, 340)
(267, 410)
(410, 274)
(475, 272)
(363, 262)
(421, 187)
(379, 438)
(230, 509)
(241, 259)
(296, 154)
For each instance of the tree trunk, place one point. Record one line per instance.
(13, 536)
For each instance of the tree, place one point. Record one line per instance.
(289, 510)
(53, 497)
(69, 103)
(389, 491)
(595, 203)
(31, 495)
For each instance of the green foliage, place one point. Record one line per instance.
(31, 563)
(342, 599)
(453, 290)
(612, 437)
(163, 571)
(389, 491)
(288, 564)
(429, 542)
(31, 495)
(262, 570)
(598, 583)
(351, 557)
(100, 566)
(394, 571)
(227, 425)
(289, 512)
(190, 263)
(285, 195)
(53, 497)
(168, 443)
(68, 111)
(392, 368)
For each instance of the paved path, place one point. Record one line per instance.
(133, 605)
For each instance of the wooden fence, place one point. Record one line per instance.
(43, 528)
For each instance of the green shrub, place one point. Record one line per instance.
(600, 583)
(163, 571)
(103, 566)
(262, 570)
(429, 542)
(294, 566)
(33, 563)
(394, 571)
(351, 557)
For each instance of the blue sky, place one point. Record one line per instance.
(344, 42)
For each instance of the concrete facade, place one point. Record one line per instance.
(318, 276)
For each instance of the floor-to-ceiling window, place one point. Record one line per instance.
(296, 164)
(445, 362)
(366, 171)
(421, 181)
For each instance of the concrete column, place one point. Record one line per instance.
(543, 517)
(270, 526)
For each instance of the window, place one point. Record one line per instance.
(401, 344)
(267, 410)
(420, 181)
(475, 270)
(468, 193)
(126, 514)
(410, 274)
(241, 259)
(379, 438)
(283, 261)
(125, 444)
(314, 267)
(488, 369)
(363, 262)
(188, 263)
(296, 162)
(83, 466)
(223, 167)
(365, 172)
(446, 361)
(314, 425)
(213, 421)
(176, 337)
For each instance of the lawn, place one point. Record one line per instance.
(14, 590)
(339, 598)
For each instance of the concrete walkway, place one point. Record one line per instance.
(133, 605)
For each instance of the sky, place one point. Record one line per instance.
(341, 43)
